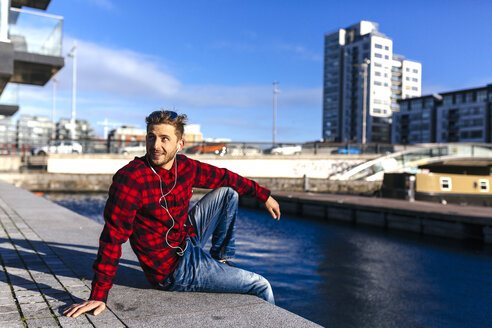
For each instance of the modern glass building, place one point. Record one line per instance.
(363, 75)
(456, 116)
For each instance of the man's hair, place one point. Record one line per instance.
(168, 117)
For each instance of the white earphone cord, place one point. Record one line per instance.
(181, 250)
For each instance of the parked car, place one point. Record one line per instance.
(59, 147)
(239, 150)
(208, 148)
(133, 149)
(350, 150)
(284, 150)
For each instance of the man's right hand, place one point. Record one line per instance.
(77, 309)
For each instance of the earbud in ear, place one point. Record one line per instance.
(179, 147)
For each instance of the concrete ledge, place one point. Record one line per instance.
(451, 221)
(10, 163)
(46, 257)
(260, 166)
(57, 182)
(404, 222)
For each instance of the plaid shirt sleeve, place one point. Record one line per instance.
(209, 176)
(123, 202)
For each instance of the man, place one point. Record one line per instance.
(148, 203)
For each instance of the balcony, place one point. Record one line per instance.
(395, 80)
(396, 71)
(38, 4)
(36, 39)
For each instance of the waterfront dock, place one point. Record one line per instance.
(426, 218)
(46, 254)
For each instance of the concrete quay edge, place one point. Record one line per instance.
(453, 212)
(426, 218)
(46, 254)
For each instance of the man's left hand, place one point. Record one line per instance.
(273, 207)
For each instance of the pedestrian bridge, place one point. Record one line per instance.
(410, 160)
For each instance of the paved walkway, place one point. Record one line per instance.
(46, 252)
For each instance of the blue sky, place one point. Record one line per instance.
(215, 60)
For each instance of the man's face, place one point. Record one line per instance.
(162, 144)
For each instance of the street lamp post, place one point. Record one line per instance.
(73, 54)
(364, 102)
(364, 66)
(275, 92)
(53, 112)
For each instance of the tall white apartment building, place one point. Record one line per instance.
(355, 57)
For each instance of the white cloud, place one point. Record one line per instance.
(120, 72)
(255, 96)
(124, 73)
(104, 4)
(301, 51)
(123, 86)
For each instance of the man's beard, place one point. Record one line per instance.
(163, 159)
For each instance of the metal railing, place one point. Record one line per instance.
(407, 160)
(11, 144)
(35, 32)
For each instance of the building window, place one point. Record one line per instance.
(415, 79)
(415, 70)
(386, 48)
(408, 69)
(447, 100)
(445, 183)
(484, 185)
(407, 78)
(377, 64)
(416, 104)
(475, 134)
(378, 46)
(377, 83)
(377, 73)
(377, 55)
(481, 96)
(386, 57)
(415, 88)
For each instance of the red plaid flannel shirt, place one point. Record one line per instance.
(133, 211)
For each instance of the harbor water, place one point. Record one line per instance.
(338, 275)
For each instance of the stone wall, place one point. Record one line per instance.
(47, 182)
(264, 166)
(10, 163)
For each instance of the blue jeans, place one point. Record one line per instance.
(215, 215)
